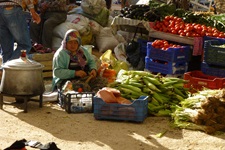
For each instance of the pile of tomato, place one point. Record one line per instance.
(175, 25)
(164, 45)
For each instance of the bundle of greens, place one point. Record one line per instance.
(202, 111)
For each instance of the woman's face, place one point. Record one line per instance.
(72, 46)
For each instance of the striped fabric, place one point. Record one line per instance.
(29, 3)
(119, 21)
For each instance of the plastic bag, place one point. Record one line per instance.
(133, 53)
(87, 39)
(115, 64)
(92, 7)
(108, 57)
(120, 53)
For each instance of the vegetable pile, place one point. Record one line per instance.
(176, 25)
(164, 92)
(150, 12)
(203, 111)
(164, 45)
(156, 11)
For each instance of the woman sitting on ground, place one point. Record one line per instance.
(72, 62)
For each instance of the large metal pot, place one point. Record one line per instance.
(22, 77)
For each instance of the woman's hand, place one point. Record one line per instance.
(80, 73)
(93, 73)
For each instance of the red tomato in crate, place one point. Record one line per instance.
(79, 90)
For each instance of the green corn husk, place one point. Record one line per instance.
(192, 126)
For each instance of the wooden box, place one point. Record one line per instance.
(46, 60)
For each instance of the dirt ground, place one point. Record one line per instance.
(83, 132)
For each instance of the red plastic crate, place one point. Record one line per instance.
(198, 80)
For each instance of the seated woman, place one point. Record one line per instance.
(72, 62)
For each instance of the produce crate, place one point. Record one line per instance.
(165, 67)
(213, 70)
(170, 55)
(46, 60)
(75, 102)
(143, 46)
(220, 40)
(136, 112)
(213, 54)
(198, 80)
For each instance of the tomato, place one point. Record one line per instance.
(182, 33)
(199, 28)
(175, 18)
(174, 32)
(182, 26)
(160, 42)
(215, 34)
(214, 30)
(202, 33)
(157, 25)
(185, 31)
(196, 34)
(204, 28)
(164, 48)
(177, 22)
(164, 29)
(208, 34)
(171, 17)
(209, 29)
(193, 24)
(188, 24)
(180, 19)
(167, 18)
(79, 90)
(189, 28)
(155, 43)
(221, 35)
(189, 34)
(166, 23)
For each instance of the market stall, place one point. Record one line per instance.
(163, 88)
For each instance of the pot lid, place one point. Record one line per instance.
(22, 62)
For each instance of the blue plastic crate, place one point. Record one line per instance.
(170, 55)
(143, 46)
(220, 40)
(136, 112)
(213, 54)
(212, 70)
(169, 68)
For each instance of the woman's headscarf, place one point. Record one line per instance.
(71, 35)
(74, 35)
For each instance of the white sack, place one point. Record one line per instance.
(60, 30)
(95, 27)
(106, 40)
(81, 21)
